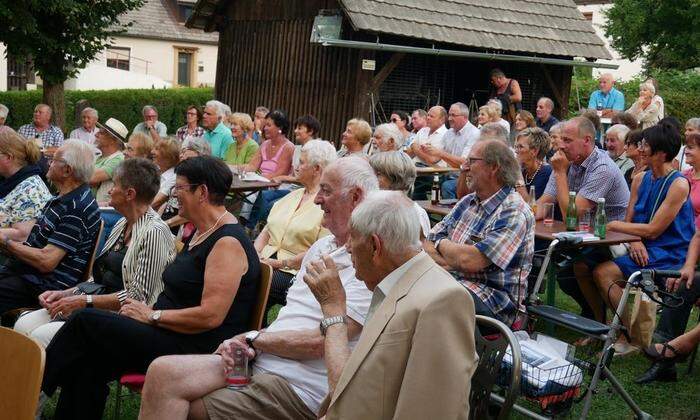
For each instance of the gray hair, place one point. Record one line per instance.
(547, 101)
(80, 156)
(557, 127)
(391, 216)
(463, 109)
(497, 153)
(537, 139)
(39, 106)
(390, 131)
(397, 167)
(89, 110)
(648, 86)
(148, 107)
(619, 130)
(355, 172)
(140, 174)
(4, 111)
(319, 152)
(218, 106)
(262, 109)
(495, 131)
(693, 122)
(584, 127)
(496, 104)
(197, 144)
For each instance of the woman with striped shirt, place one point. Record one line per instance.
(131, 263)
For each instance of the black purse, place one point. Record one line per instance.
(90, 288)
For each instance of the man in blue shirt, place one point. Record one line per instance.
(215, 132)
(607, 99)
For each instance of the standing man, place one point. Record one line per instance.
(150, 125)
(398, 369)
(607, 99)
(507, 91)
(215, 132)
(41, 128)
(87, 131)
(545, 119)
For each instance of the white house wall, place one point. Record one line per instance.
(3, 68)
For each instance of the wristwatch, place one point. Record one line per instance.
(155, 317)
(437, 246)
(251, 337)
(88, 301)
(327, 322)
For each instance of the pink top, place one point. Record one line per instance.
(269, 165)
(694, 194)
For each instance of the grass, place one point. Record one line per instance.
(673, 401)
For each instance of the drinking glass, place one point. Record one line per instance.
(548, 214)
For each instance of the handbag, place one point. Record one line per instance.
(90, 288)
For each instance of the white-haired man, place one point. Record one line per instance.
(4, 112)
(88, 128)
(215, 131)
(288, 367)
(397, 369)
(150, 125)
(41, 128)
(615, 145)
(545, 119)
(607, 100)
(55, 255)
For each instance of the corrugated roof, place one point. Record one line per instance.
(155, 20)
(553, 27)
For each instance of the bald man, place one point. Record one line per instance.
(607, 99)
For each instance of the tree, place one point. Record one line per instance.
(662, 32)
(61, 37)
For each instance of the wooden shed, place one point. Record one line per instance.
(338, 59)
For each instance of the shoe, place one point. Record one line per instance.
(654, 355)
(624, 349)
(661, 371)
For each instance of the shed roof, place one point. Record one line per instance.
(154, 20)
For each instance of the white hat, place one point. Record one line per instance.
(115, 127)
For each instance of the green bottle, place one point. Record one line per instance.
(571, 215)
(601, 220)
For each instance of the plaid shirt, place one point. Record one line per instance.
(502, 228)
(182, 134)
(51, 137)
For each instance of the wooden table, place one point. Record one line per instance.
(429, 170)
(243, 189)
(441, 209)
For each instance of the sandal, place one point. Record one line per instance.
(654, 355)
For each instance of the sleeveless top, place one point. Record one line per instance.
(184, 283)
(269, 165)
(505, 99)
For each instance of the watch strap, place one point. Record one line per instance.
(327, 322)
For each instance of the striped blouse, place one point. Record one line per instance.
(152, 248)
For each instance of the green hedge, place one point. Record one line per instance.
(678, 89)
(122, 104)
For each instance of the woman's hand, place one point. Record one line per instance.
(137, 310)
(50, 297)
(638, 253)
(65, 306)
(687, 276)
(275, 264)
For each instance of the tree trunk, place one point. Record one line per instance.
(53, 97)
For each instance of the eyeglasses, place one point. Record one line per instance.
(395, 120)
(471, 160)
(178, 188)
(191, 113)
(52, 160)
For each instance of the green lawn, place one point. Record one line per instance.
(679, 400)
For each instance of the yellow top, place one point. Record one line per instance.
(293, 228)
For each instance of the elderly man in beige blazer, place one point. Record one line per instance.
(416, 355)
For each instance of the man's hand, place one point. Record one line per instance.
(137, 310)
(51, 296)
(228, 348)
(687, 276)
(65, 306)
(323, 280)
(559, 162)
(429, 149)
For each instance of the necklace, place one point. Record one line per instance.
(202, 236)
(533, 175)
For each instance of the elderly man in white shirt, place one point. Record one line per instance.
(423, 149)
(86, 132)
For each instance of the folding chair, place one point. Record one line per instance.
(22, 367)
(135, 381)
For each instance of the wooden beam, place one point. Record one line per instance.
(386, 71)
(555, 89)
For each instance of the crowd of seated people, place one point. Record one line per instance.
(149, 308)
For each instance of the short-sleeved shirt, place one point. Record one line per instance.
(107, 164)
(551, 122)
(597, 177)
(24, 202)
(624, 163)
(459, 143)
(423, 137)
(167, 182)
(219, 139)
(235, 157)
(81, 133)
(161, 129)
(502, 228)
(51, 137)
(70, 222)
(614, 100)
(309, 378)
(183, 134)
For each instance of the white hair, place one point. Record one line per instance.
(547, 101)
(218, 106)
(619, 130)
(355, 172)
(694, 123)
(4, 111)
(391, 216)
(648, 86)
(397, 167)
(463, 108)
(558, 127)
(494, 131)
(147, 107)
(390, 131)
(80, 156)
(496, 104)
(197, 144)
(89, 110)
(319, 152)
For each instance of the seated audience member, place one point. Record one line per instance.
(647, 109)
(430, 135)
(288, 361)
(193, 147)
(166, 154)
(555, 137)
(243, 148)
(259, 122)
(615, 145)
(396, 172)
(193, 117)
(487, 240)
(88, 130)
(545, 119)
(496, 104)
(387, 138)
(581, 167)
(692, 157)
(150, 125)
(523, 120)
(139, 145)
(625, 118)
(490, 131)
(215, 130)
(129, 266)
(402, 121)
(294, 223)
(593, 117)
(4, 112)
(606, 99)
(110, 141)
(355, 139)
(508, 94)
(22, 192)
(659, 212)
(691, 126)
(531, 147)
(55, 255)
(419, 120)
(47, 134)
(632, 142)
(412, 296)
(209, 293)
(487, 114)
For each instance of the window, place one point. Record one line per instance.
(185, 11)
(118, 57)
(184, 67)
(588, 16)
